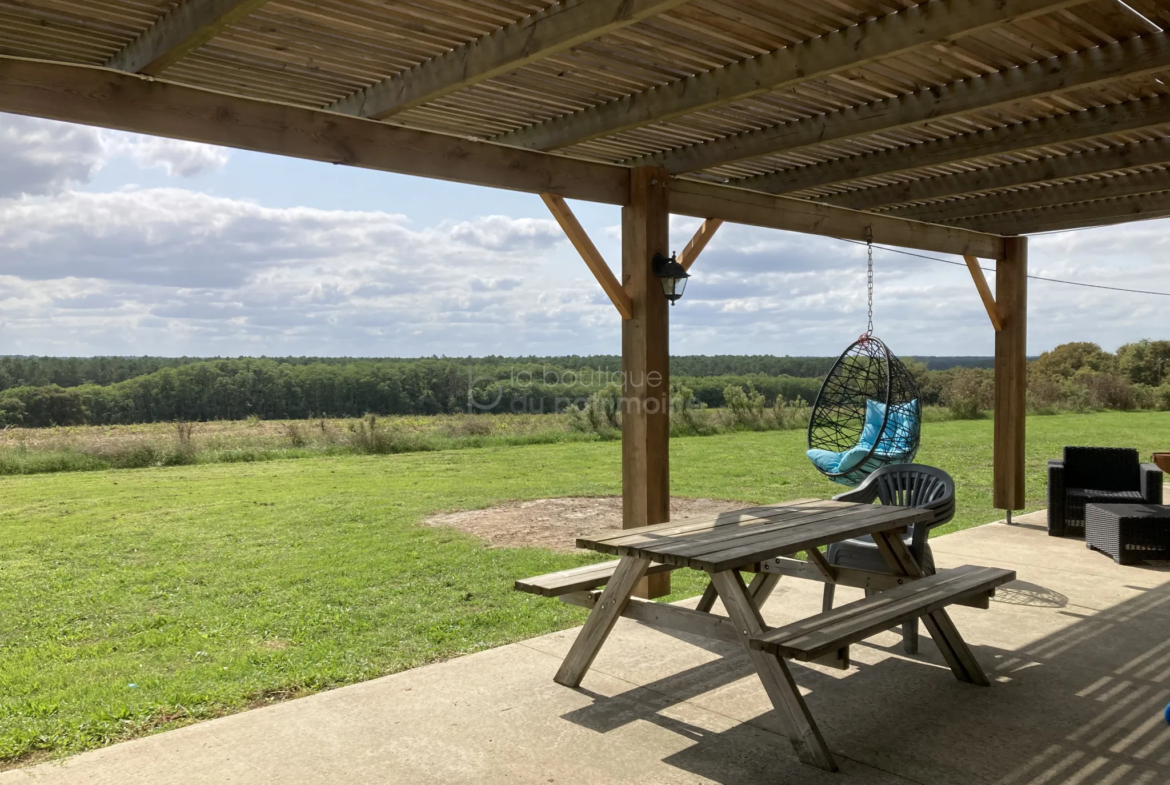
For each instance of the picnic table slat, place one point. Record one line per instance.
(755, 550)
(784, 518)
(732, 518)
(810, 638)
(590, 576)
(723, 539)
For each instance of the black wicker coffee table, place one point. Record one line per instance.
(1129, 532)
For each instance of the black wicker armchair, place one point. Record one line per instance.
(1105, 475)
(898, 485)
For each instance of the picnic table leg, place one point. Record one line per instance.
(946, 636)
(759, 590)
(601, 619)
(798, 722)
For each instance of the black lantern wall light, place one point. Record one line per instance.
(673, 276)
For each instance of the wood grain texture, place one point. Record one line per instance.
(985, 294)
(535, 37)
(814, 637)
(852, 47)
(699, 242)
(578, 579)
(110, 99)
(704, 200)
(1093, 122)
(1136, 57)
(600, 622)
(1100, 212)
(646, 359)
(182, 30)
(795, 717)
(589, 253)
(1154, 152)
(1011, 376)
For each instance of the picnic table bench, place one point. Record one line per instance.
(763, 540)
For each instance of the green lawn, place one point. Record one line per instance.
(132, 601)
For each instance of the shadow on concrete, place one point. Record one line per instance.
(1081, 705)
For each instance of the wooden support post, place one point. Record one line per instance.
(985, 292)
(646, 363)
(699, 242)
(1011, 374)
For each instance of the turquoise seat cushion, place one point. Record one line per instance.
(895, 441)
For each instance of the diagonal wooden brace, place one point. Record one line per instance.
(593, 258)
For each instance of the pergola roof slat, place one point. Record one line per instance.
(851, 47)
(181, 31)
(1103, 212)
(1086, 124)
(1054, 195)
(1110, 159)
(927, 108)
(534, 37)
(1127, 58)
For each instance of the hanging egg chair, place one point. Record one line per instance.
(867, 414)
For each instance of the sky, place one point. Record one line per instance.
(118, 244)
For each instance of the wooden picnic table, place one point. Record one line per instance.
(763, 540)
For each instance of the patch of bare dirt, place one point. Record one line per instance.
(557, 523)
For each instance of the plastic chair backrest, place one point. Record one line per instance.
(909, 485)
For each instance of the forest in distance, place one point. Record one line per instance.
(63, 391)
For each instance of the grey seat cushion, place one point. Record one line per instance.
(862, 554)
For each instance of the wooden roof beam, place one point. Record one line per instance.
(708, 200)
(127, 102)
(1133, 57)
(851, 47)
(1072, 127)
(180, 31)
(545, 33)
(1103, 212)
(1053, 195)
(1058, 167)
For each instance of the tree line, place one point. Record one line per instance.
(40, 392)
(235, 389)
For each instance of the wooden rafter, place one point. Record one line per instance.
(1103, 212)
(852, 47)
(1053, 195)
(984, 292)
(1072, 127)
(699, 242)
(1154, 152)
(593, 258)
(182, 30)
(706, 200)
(555, 29)
(1134, 57)
(112, 99)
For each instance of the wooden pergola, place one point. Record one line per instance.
(952, 126)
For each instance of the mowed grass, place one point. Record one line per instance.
(138, 600)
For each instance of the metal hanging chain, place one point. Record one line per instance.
(869, 280)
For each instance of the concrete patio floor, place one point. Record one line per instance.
(1078, 650)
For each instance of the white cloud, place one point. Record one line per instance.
(177, 158)
(169, 270)
(42, 157)
(39, 157)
